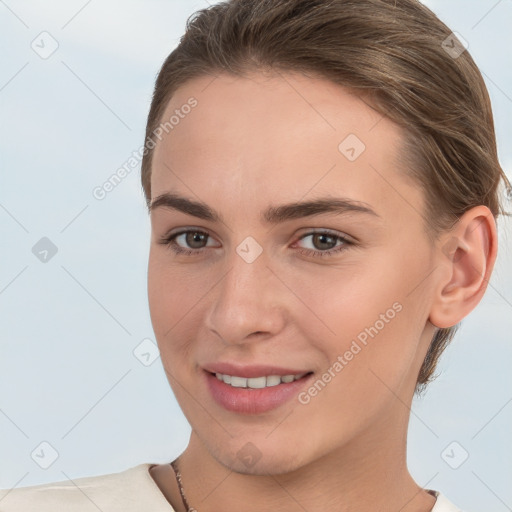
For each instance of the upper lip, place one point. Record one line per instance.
(250, 371)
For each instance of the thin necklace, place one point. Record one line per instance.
(182, 492)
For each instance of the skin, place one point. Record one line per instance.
(267, 140)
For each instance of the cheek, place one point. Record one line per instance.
(359, 330)
(339, 303)
(169, 298)
(365, 315)
(366, 359)
(177, 295)
(159, 300)
(169, 302)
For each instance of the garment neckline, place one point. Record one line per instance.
(146, 467)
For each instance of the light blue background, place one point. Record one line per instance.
(69, 326)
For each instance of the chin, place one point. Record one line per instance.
(250, 460)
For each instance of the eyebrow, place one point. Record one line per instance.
(272, 215)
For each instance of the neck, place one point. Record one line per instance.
(370, 473)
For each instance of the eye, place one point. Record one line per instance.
(327, 241)
(194, 238)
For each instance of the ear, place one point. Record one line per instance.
(466, 254)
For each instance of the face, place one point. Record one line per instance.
(339, 292)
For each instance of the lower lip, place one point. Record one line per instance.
(253, 401)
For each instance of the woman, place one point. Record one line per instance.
(323, 187)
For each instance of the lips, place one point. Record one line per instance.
(253, 370)
(247, 401)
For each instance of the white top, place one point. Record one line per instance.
(131, 490)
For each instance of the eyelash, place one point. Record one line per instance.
(170, 241)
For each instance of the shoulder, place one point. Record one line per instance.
(129, 490)
(443, 504)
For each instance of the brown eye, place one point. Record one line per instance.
(324, 244)
(195, 239)
(191, 241)
(323, 241)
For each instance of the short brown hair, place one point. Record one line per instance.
(394, 52)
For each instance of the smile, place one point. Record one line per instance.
(257, 382)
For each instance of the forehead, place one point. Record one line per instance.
(269, 138)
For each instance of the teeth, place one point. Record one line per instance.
(238, 382)
(273, 380)
(257, 382)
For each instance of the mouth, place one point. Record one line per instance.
(254, 395)
(265, 381)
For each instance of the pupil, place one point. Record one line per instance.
(195, 237)
(323, 237)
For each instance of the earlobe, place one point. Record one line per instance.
(467, 255)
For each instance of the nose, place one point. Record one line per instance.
(249, 300)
